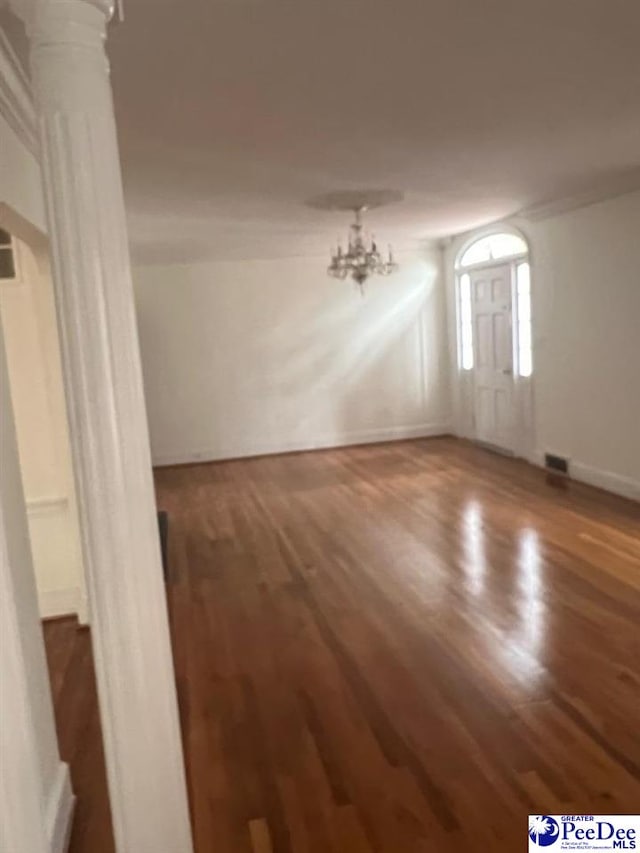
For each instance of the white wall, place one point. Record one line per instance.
(28, 319)
(269, 356)
(586, 339)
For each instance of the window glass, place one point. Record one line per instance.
(506, 245)
(523, 281)
(493, 248)
(466, 324)
(478, 253)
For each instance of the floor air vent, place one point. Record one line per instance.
(557, 464)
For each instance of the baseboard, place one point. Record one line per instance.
(60, 811)
(370, 436)
(59, 602)
(626, 487)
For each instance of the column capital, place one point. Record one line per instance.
(69, 65)
(29, 10)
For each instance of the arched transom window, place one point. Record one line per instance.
(499, 248)
(494, 247)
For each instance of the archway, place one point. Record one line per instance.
(27, 313)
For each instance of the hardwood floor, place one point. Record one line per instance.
(403, 647)
(79, 736)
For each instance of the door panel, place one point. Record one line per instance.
(484, 338)
(493, 351)
(501, 289)
(502, 347)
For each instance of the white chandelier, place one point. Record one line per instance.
(361, 259)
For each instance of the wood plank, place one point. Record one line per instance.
(389, 649)
(260, 836)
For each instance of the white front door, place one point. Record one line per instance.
(493, 355)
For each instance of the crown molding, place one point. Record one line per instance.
(620, 185)
(16, 101)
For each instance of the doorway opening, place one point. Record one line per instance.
(495, 355)
(30, 334)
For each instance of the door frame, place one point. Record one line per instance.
(523, 399)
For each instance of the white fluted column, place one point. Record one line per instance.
(110, 447)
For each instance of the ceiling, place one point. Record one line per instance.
(232, 114)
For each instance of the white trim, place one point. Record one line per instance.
(408, 249)
(21, 828)
(326, 442)
(16, 102)
(523, 386)
(33, 802)
(617, 484)
(628, 182)
(60, 811)
(607, 480)
(59, 602)
(491, 231)
(519, 258)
